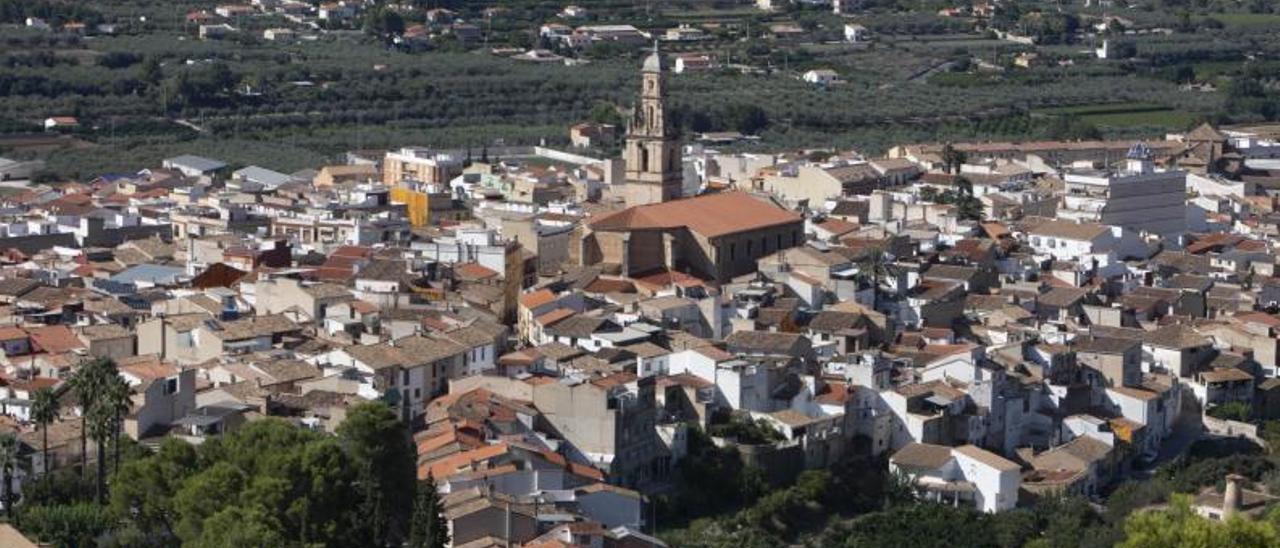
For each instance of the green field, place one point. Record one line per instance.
(913, 82)
(1127, 115)
(1170, 119)
(1248, 20)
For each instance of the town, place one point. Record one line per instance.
(636, 335)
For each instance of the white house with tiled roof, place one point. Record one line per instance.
(960, 475)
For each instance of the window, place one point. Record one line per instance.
(795, 238)
(733, 251)
(405, 376)
(171, 386)
(779, 246)
(417, 393)
(749, 242)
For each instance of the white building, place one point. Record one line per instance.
(1138, 198)
(693, 62)
(740, 385)
(960, 475)
(1084, 241)
(855, 33)
(845, 7)
(821, 77)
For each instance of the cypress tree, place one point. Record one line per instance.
(428, 528)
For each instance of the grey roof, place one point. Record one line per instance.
(197, 163)
(384, 270)
(263, 176)
(150, 273)
(1062, 296)
(654, 62)
(582, 326)
(1104, 345)
(951, 272)
(763, 341)
(835, 320)
(16, 287)
(921, 456)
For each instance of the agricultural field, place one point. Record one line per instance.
(153, 87)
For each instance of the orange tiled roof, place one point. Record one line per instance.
(711, 215)
(54, 339)
(537, 298)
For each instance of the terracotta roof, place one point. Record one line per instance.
(609, 285)
(555, 316)
(452, 464)
(710, 215)
(54, 339)
(838, 227)
(474, 271)
(149, 369)
(537, 298)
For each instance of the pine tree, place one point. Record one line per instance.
(429, 529)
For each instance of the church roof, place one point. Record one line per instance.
(711, 215)
(1206, 132)
(654, 62)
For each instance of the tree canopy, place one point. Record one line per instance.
(268, 483)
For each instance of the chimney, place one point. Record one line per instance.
(1231, 498)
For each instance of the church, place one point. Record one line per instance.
(715, 237)
(652, 157)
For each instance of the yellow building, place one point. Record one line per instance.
(424, 206)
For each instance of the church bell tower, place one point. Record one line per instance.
(654, 170)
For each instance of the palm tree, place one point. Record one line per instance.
(875, 264)
(967, 205)
(44, 410)
(8, 463)
(86, 383)
(952, 159)
(116, 404)
(969, 208)
(104, 413)
(101, 426)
